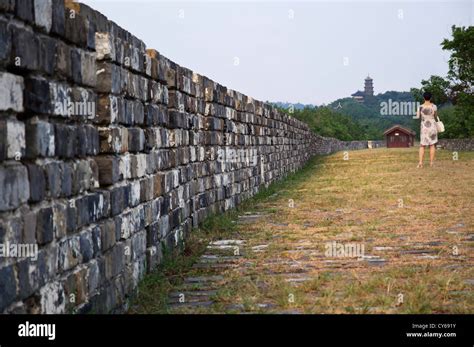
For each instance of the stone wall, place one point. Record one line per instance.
(111, 153)
(456, 144)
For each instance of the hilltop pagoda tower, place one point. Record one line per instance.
(369, 86)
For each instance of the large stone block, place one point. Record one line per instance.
(69, 254)
(109, 171)
(8, 286)
(7, 6)
(114, 261)
(38, 183)
(58, 17)
(108, 233)
(43, 14)
(25, 49)
(76, 25)
(113, 140)
(104, 46)
(24, 9)
(12, 139)
(65, 140)
(136, 140)
(87, 141)
(5, 41)
(53, 179)
(84, 70)
(14, 185)
(40, 139)
(44, 226)
(110, 109)
(63, 60)
(86, 175)
(108, 77)
(11, 92)
(119, 199)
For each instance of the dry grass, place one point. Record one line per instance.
(379, 200)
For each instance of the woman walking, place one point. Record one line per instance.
(428, 131)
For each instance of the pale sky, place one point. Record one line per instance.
(307, 51)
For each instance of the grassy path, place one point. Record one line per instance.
(371, 234)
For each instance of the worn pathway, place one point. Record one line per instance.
(371, 234)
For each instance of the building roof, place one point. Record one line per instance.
(368, 78)
(399, 127)
(358, 93)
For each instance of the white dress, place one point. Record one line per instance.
(428, 130)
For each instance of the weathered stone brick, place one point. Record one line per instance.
(37, 95)
(136, 140)
(108, 78)
(38, 183)
(177, 120)
(158, 185)
(119, 199)
(58, 17)
(109, 109)
(8, 286)
(24, 9)
(86, 246)
(14, 185)
(87, 141)
(7, 6)
(86, 175)
(104, 46)
(71, 225)
(75, 286)
(138, 165)
(25, 49)
(76, 26)
(88, 69)
(53, 179)
(113, 140)
(125, 166)
(84, 68)
(46, 54)
(69, 254)
(63, 60)
(134, 193)
(11, 92)
(67, 179)
(109, 172)
(60, 220)
(153, 234)
(65, 140)
(12, 139)
(5, 41)
(29, 227)
(28, 278)
(40, 139)
(108, 233)
(146, 189)
(44, 226)
(114, 261)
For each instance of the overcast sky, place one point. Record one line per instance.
(309, 51)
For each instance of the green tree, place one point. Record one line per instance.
(458, 86)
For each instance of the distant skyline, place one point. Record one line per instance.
(311, 52)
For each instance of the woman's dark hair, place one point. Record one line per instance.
(427, 95)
